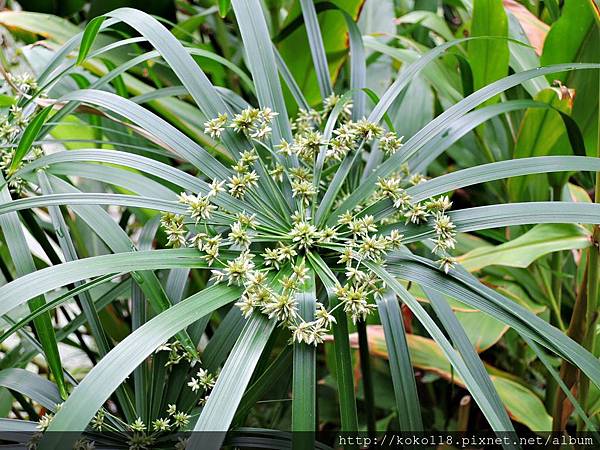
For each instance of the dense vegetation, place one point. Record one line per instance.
(358, 215)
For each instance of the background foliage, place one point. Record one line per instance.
(523, 298)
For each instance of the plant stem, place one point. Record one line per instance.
(554, 304)
(557, 260)
(593, 289)
(464, 409)
(568, 372)
(365, 368)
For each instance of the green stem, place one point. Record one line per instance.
(365, 368)
(343, 369)
(553, 301)
(593, 290)
(557, 261)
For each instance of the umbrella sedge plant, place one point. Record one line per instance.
(303, 224)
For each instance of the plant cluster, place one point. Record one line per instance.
(270, 262)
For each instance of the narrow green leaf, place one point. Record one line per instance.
(223, 340)
(277, 370)
(161, 170)
(554, 373)
(460, 284)
(31, 385)
(455, 359)
(54, 303)
(430, 151)
(304, 382)
(118, 241)
(91, 199)
(225, 397)
(471, 358)
(24, 266)
(502, 169)
(88, 38)
(439, 124)
(174, 139)
(358, 68)
(341, 344)
(29, 135)
(496, 216)
(44, 280)
(224, 7)
(190, 74)
(258, 48)
(403, 377)
(317, 50)
(290, 82)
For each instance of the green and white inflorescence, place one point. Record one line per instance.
(14, 122)
(271, 262)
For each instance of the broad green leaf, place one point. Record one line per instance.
(574, 37)
(482, 329)
(488, 58)
(541, 133)
(567, 35)
(294, 36)
(521, 57)
(224, 7)
(45, 25)
(533, 28)
(523, 405)
(522, 251)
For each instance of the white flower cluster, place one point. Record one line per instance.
(270, 263)
(12, 124)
